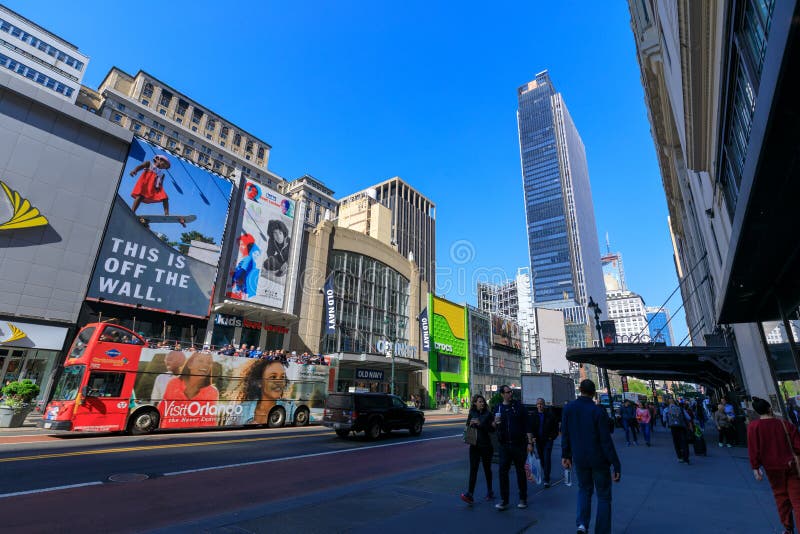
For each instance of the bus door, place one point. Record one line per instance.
(107, 395)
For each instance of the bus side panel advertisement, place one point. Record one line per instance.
(192, 389)
(162, 245)
(261, 266)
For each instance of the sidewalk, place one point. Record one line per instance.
(715, 494)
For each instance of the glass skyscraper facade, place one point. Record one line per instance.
(562, 235)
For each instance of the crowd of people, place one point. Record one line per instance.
(244, 351)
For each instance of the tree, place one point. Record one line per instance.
(194, 235)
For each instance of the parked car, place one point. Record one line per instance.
(371, 413)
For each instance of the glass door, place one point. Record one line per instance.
(11, 366)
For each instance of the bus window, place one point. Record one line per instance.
(103, 384)
(80, 342)
(68, 384)
(118, 335)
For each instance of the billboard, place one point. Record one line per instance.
(505, 332)
(448, 327)
(260, 268)
(147, 258)
(203, 389)
(552, 340)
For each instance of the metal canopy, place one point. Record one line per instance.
(710, 366)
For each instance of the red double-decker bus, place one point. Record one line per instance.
(112, 381)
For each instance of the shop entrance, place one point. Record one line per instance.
(17, 364)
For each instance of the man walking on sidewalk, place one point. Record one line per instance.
(545, 431)
(586, 441)
(512, 424)
(676, 419)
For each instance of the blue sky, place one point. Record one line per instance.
(354, 93)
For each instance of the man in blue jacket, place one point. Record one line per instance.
(586, 442)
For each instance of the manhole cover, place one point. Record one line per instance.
(128, 477)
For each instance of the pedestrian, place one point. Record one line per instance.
(653, 416)
(774, 444)
(545, 431)
(676, 418)
(586, 442)
(512, 424)
(629, 423)
(643, 418)
(724, 426)
(481, 452)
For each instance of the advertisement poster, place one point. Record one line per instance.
(552, 340)
(261, 268)
(162, 245)
(505, 332)
(193, 389)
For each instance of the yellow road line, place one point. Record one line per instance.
(117, 450)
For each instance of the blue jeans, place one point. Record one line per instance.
(645, 431)
(630, 426)
(544, 448)
(590, 479)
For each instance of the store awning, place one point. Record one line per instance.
(378, 361)
(709, 366)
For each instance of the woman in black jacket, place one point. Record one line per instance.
(481, 418)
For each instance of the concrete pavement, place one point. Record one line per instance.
(715, 494)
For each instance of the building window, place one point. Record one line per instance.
(121, 106)
(136, 126)
(187, 151)
(162, 111)
(117, 117)
(223, 134)
(261, 152)
(179, 120)
(237, 139)
(211, 124)
(148, 90)
(145, 102)
(194, 128)
(248, 147)
(183, 105)
(208, 136)
(166, 98)
(171, 143)
(196, 116)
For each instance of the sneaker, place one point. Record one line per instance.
(680, 461)
(467, 498)
(523, 503)
(729, 445)
(490, 496)
(719, 444)
(581, 529)
(546, 484)
(636, 443)
(501, 506)
(648, 443)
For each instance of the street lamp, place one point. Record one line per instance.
(391, 335)
(597, 311)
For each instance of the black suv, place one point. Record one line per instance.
(371, 413)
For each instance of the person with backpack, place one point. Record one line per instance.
(724, 426)
(629, 423)
(676, 419)
(774, 444)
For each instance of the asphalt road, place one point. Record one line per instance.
(130, 484)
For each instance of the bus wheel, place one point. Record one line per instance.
(277, 417)
(143, 422)
(301, 417)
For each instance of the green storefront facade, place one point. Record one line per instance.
(448, 359)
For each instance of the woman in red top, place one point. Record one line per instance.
(149, 187)
(768, 442)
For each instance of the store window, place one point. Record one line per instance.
(251, 336)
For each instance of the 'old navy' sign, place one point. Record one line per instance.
(330, 306)
(369, 374)
(424, 329)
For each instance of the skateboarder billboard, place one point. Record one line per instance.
(162, 244)
(261, 265)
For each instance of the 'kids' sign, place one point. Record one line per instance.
(161, 247)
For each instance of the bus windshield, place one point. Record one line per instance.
(80, 342)
(69, 383)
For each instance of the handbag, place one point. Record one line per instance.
(471, 435)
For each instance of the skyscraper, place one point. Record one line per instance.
(562, 236)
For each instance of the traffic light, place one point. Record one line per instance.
(609, 332)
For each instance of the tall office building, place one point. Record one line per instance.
(562, 236)
(38, 57)
(660, 325)
(413, 222)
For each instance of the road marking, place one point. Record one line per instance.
(300, 456)
(117, 450)
(228, 466)
(44, 490)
